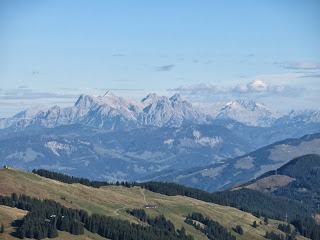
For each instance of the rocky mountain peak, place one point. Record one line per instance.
(176, 98)
(151, 98)
(84, 100)
(113, 112)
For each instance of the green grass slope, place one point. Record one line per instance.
(113, 200)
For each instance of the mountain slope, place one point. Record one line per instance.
(113, 201)
(244, 168)
(119, 155)
(297, 179)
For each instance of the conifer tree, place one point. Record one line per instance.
(2, 228)
(254, 224)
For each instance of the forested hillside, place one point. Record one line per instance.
(305, 185)
(112, 202)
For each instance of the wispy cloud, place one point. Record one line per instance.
(15, 100)
(255, 89)
(23, 92)
(255, 86)
(310, 76)
(306, 65)
(117, 55)
(123, 89)
(165, 68)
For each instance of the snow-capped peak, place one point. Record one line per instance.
(249, 112)
(113, 112)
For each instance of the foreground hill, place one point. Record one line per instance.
(244, 168)
(114, 200)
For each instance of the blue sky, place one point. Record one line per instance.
(208, 51)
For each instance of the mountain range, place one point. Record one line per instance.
(111, 138)
(111, 112)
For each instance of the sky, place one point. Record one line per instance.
(51, 51)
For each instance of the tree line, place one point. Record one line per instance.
(45, 217)
(169, 189)
(213, 230)
(159, 221)
(248, 200)
(264, 204)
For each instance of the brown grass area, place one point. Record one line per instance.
(113, 200)
(7, 216)
(271, 183)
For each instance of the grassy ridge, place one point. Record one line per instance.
(113, 200)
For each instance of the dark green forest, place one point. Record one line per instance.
(45, 217)
(306, 187)
(213, 230)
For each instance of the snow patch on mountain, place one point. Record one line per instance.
(112, 112)
(54, 146)
(206, 141)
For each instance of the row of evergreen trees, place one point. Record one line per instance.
(159, 228)
(255, 202)
(169, 189)
(45, 217)
(284, 228)
(307, 229)
(263, 204)
(213, 230)
(69, 179)
(274, 236)
(159, 221)
(124, 230)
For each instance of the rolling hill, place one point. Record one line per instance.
(297, 180)
(114, 200)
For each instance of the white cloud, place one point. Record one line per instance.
(254, 86)
(281, 91)
(241, 88)
(258, 86)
